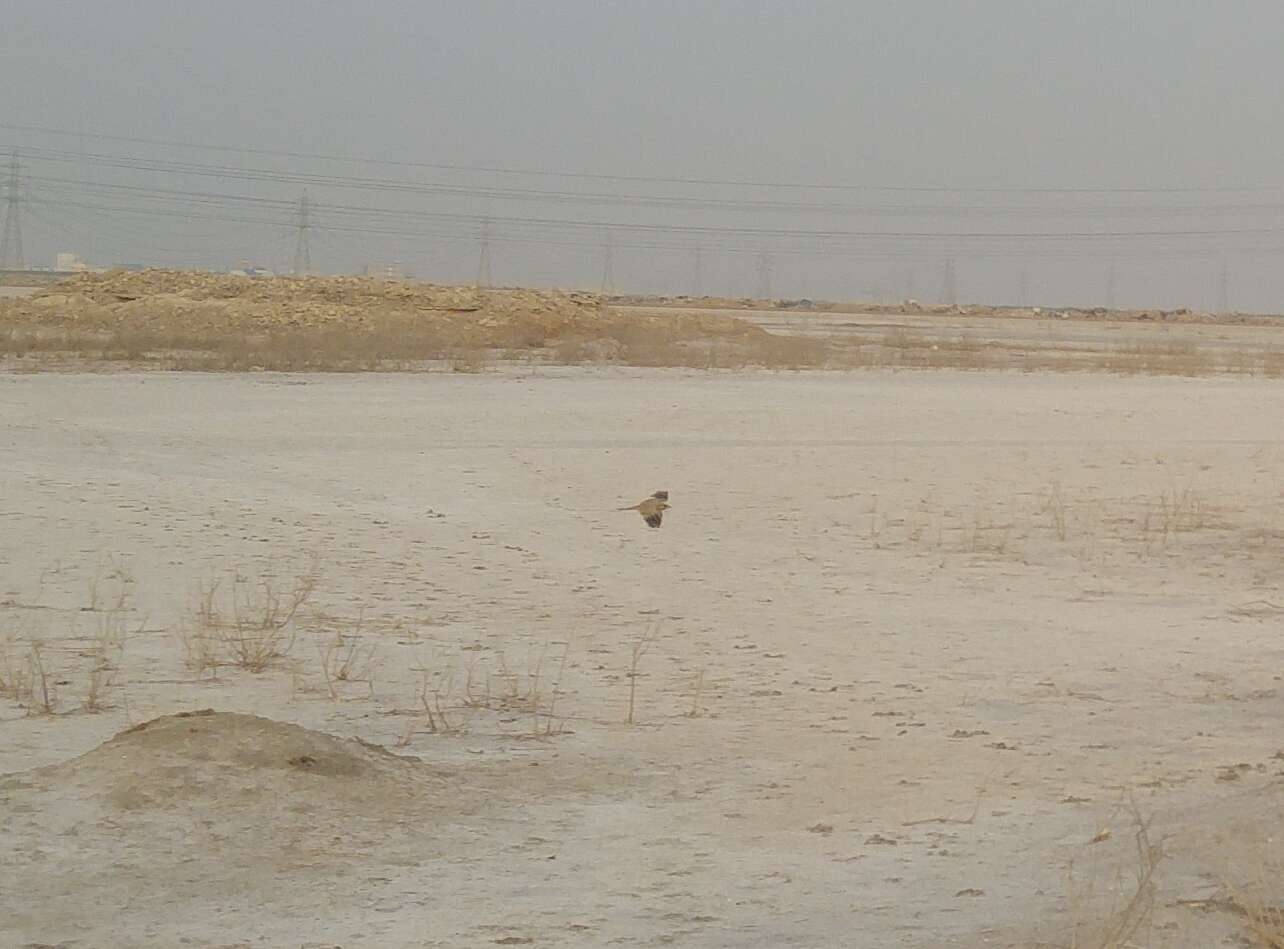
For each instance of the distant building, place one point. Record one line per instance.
(67, 262)
(248, 270)
(392, 271)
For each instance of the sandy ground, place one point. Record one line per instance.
(914, 640)
(1047, 332)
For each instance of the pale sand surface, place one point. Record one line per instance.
(856, 568)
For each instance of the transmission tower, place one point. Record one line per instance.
(302, 247)
(764, 277)
(909, 284)
(608, 264)
(697, 283)
(1223, 295)
(11, 241)
(950, 289)
(483, 259)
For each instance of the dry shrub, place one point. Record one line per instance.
(986, 536)
(345, 658)
(250, 627)
(1174, 358)
(1055, 508)
(533, 692)
(697, 692)
(1112, 913)
(111, 635)
(439, 712)
(198, 634)
(262, 621)
(42, 698)
(1256, 894)
(446, 703)
(110, 585)
(640, 647)
(15, 671)
(1263, 910)
(1170, 513)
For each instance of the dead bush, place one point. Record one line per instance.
(249, 627)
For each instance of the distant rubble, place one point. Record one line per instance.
(201, 320)
(914, 307)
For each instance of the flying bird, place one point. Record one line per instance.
(652, 509)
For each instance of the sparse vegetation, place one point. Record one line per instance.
(111, 635)
(1055, 508)
(346, 658)
(110, 585)
(1114, 915)
(1169, 514)
(1262, 909)
(697, 692)
(197, 634)
(261, 628)
(15, 671)
(250, 627)
(637, 650)
(437, 714)
(42, 695)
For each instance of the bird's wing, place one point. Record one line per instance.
(661, 495)
(653, 519)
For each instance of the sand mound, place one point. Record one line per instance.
(190, 818)
(217, 758)
(210, 302)
(317, 297)
(231, 322)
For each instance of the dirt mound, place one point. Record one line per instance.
(189, 819)
(302, 294)
(212, 759)
(214, 301)
(187, 319)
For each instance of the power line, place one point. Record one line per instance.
(785, 232)
(656, 179)
(608, 262)
(302, 246)
(878, 246)
(763, 291)
(483, 263)
(821, 242)
(639, 200)
(11, 239)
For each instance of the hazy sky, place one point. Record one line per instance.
(1149, 94)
